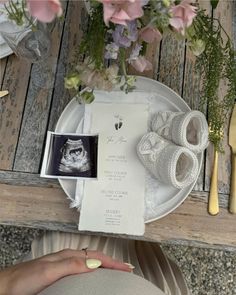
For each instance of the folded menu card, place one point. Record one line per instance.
(115, 202)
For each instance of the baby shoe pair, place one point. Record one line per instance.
(169, 151)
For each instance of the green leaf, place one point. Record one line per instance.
(214, 3)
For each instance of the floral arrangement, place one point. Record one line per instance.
(122, 30)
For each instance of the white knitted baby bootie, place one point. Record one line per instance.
(186, 129)
(169, 163)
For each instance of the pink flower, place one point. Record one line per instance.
(44, 10)
(149, 34)
(141, 64)
(121, 11)
(182, 15)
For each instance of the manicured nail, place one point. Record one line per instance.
(93, 263)
(129, 265)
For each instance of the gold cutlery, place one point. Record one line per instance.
(3, 93)
(232, 143)
(213, 202)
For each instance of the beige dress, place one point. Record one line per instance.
(148, 258)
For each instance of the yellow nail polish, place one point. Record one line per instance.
(130, 265)
(93, 263)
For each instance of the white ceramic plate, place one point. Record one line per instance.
(5, 50)
(160, 199)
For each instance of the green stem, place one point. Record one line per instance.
(123, 66)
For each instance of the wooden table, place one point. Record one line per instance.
(28, 112)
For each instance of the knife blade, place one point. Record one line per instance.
(3, 93)
(232, 143)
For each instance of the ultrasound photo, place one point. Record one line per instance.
(70, 156)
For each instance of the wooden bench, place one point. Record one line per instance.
(28, 112)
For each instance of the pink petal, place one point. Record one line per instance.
(56, 7)
(121, 15)
(134, 10)
(108, 11)
(44, 10)
(141, 64)
(177, 23)
(149, 34)
(118, 21)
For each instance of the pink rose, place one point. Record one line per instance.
(141, 64)
(149, 34)
(44, 10)
(121, 11)
(182, 15)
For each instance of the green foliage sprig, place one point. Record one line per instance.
(215, 64)
(17, 12)
(95, 38)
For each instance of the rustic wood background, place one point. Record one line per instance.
(29, 111)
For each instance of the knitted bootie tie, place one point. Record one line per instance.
(189, 129)
(171, 164)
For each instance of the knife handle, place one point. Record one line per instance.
(213, 203)
(232, 202)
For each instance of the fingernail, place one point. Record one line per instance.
(93, 263)
(129, 265)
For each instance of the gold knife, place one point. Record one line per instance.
(3, 93)
(232, 143)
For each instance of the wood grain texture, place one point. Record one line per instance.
(224, 12)
(190, 221)
(37, 108)
(49, 208)
(192, 81)
(16, 79)
(74, 26)
(192, 88)
(172, 63)
(28, 179)
(3, 63)
(29, 204)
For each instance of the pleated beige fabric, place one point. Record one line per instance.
(148, 258)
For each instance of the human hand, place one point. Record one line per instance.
(29, 278)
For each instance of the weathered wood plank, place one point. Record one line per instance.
(35, 203)
(75, 23)
(190, 221)
(36, 113)
(172, 63)
(11, 108)
(192, 89)
(49, 208)
(3, 63)
(224, 12)
(192, 81)
(28, 179)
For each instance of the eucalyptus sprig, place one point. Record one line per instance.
(217, 62)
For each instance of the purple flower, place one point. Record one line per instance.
(111, 51)
(124, 35)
